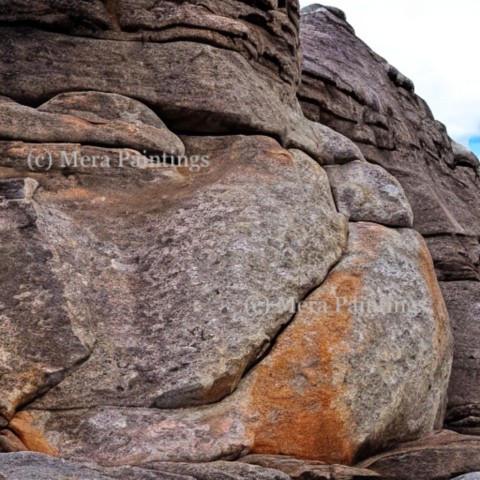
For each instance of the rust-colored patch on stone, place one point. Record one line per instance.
(297, 390)
(298, 402)
(22, 425)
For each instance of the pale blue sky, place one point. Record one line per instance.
(433, 42)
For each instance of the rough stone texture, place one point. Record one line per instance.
(441, 456)
(166, 287)
(311, 470)
(220, 92)
(369, 347)
(160, 285)
(371, 103)
(89, 118)
(457, 257)
(365, 192)
(73, 15)
(463, 300)
(463, 156)
(348, 393)
(134, 436)
(38, 346)
(265, 33)
(30, 466)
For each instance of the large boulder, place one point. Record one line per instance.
(368, 193)
(90, 118)
(154, 271)
(364, 364)
(369, 347)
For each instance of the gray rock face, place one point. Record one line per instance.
(78, 118)
(162, 289)
(463, 300)
(74, 15)
(31, 466)
(438, 457)
(457, 257)
(265, 33)
(373, 105)
(365, 192)
(38, 345)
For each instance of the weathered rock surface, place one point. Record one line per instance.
(167, 291)
(438, 457)
(303, 470)
(463, 300)
(371, 346)
(73, 15)
(371, 103)
(265, 33)
(30, 466)
(170, 276)
(38, 346)
(89, 118)
(332, 388)
(366, 192)
(138, 436)
(457, 257)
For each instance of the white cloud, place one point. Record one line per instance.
(433, 42)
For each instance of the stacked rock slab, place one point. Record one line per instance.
(357, 93)
(181, 226)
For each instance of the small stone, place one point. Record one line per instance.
(368, 193)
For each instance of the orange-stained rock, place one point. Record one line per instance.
(365, 363)
(23, 425)
(294, 388)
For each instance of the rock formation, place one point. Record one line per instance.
(371, 103)
(212, 260)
